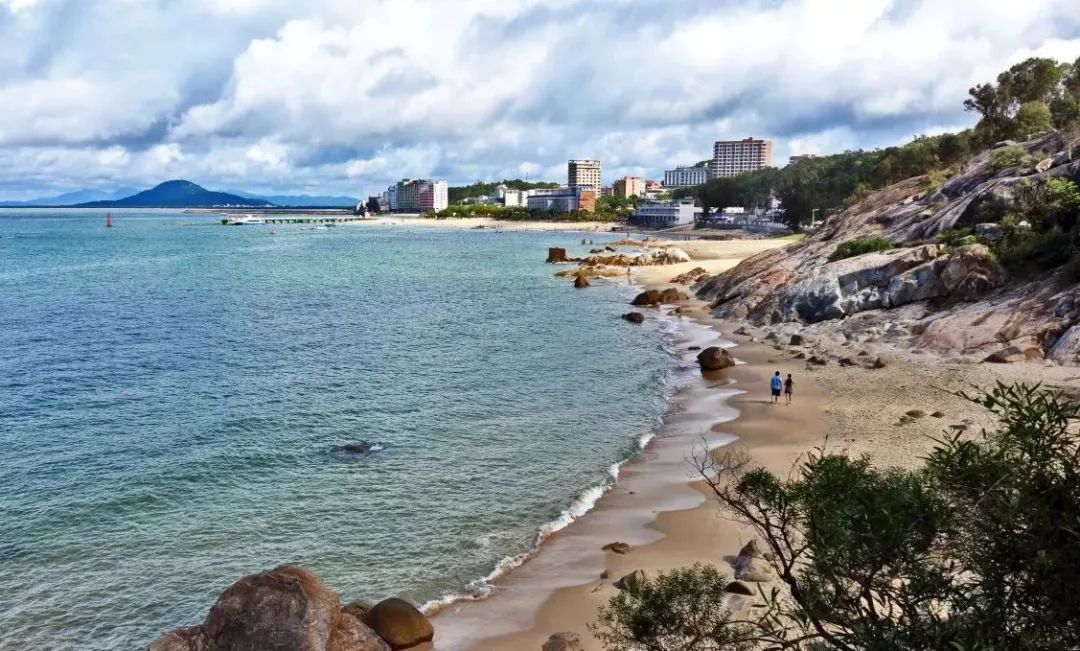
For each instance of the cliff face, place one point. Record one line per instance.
(925, 294)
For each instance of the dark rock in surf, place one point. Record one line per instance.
(634, 317)
(557, 254)
(580, 282)
(399, 623)
(647, 297)
(715, 358)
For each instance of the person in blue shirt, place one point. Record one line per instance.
(777, 384)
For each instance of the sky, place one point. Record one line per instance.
(347, 96)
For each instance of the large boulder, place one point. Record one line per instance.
(634, 317)
(563, 642)
(633, 582)
(751, 565)
(715, 358)
(581, 282)
(647, 297)
(351, 634)
(285, 609)
(557, 254)
(672, 295)
(399, 623)
(190, 638)
(690, 277)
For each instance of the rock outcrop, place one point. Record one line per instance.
(557, 255)
(399, 623)
(715, 358)
(284, 609)
(581, 282)
(648, 258)
(944, 298)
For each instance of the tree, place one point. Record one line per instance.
(1032, 119)
(681, 609)
(979, 548)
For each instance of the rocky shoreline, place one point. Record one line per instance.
(290, 609)
(925, 292)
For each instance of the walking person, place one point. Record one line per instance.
(789, 387)
(776, 384)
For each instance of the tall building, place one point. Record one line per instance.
(684, 177)
(733, 157)
(422, 195)
(629, 186)
(583, 174)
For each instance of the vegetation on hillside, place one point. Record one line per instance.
(852, 248)
(483, 189)
(1028, 99)
(976, 549)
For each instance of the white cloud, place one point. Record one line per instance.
(341, 96)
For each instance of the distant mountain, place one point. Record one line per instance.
(71, 198)
(178, 194)
(301, 200)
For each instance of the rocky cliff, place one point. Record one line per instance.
(920, 292)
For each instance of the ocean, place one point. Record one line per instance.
(173, 395)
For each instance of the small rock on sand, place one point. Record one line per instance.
(617, 548)
(563, 642)
(738, 587)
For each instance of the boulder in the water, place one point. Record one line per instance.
(360, 447)
(715, 358)
(557, 254)
(634, 317)
(399, 623)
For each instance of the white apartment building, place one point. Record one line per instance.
(583, 173)
(666, 214)
(734, 157)
(684, 177)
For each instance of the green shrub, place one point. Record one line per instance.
(682, 609)
(1024, 249)
(955, 237)
(976, 549)
(1009, 157)
(852, 248)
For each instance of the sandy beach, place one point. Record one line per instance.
(668, 515)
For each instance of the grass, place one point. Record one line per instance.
(853, 248)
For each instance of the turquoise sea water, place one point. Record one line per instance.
(172, 391)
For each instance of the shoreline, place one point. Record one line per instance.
(656, 504)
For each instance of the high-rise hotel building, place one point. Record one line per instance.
(583, 174)
(733, 157)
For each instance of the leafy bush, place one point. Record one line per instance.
(955, 237)
(977, 549)
(1043, 231)
(682, 609)
(852, 248)
(1010, 157)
